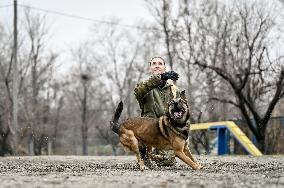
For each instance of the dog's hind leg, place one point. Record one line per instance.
(128, 140)
(135, 149)
(140, 161)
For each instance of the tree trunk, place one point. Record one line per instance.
(84, 123)
(31, 145)
(114, 149)
(261, 145)
(49, 147)
(85, 141)
(260, 138)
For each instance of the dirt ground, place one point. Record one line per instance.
(121, 171)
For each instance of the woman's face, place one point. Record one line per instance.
(157, 66)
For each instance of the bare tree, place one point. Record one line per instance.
(7, 136)
(40, 64)
(86, 89)
(243, 62)
(6, 56)
(162, 11)
(35, 64)
(118, 52)
(81, 90)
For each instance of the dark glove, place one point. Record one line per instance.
(172, 75)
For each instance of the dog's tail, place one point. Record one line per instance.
(114, 123)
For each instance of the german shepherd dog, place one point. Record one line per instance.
(167, 132)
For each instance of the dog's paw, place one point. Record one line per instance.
(197, 166)
(142, 167)
(200, 166)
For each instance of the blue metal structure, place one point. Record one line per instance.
(223, 138)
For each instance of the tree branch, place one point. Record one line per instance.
(225, 101)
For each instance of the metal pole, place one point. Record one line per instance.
(15, 78)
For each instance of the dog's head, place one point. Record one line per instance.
(178, 109)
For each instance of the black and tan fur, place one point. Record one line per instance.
(167, 132)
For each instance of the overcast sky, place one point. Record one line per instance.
(67, 30)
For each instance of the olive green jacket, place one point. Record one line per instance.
(152, 98)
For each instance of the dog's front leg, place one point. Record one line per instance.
(182, 156)
(188, 153)
(179, 146)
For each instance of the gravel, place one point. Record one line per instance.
(122, 171)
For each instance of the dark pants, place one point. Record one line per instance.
(143, 152)
(167, 157)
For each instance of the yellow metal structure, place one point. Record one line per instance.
(235, 130)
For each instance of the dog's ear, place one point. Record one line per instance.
(182, 95)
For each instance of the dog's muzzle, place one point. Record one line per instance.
(178, 114)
